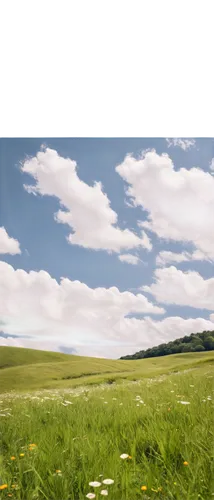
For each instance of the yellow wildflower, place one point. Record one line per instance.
(12, 458)
(58, 471)
(186, 463)
(130, 457)
(143, 488)
(22, 455)
(3, 486)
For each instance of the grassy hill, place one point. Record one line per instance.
(27, 369)
(18, 356)
(163, 425)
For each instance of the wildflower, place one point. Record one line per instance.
(94, 484)
(108, 481)
(186, 463)
(33, 445)
(169, 409)
(12, 458)
(143, 488)
(90, 495)
(104, 493)
(3, 486)
(21, 454)
(124, 456)
(130, 457)
(58, 471)
(184, 402)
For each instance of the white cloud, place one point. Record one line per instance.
(8, 244)
(166, 257)
(135, 335)
(34, 303)
(86, 209)
(92, 321)
(181, 143)
(173, 286)
(129, 259)
(212, 317)
(180, 203)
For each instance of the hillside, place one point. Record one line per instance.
(198, 342)
(26, 369)
(18, 356)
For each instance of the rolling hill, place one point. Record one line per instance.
(27, 369)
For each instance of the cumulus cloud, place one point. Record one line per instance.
(85, 209)
(181, 143)
(180, 203)
(136, 334)
(129, 259)
(173, 286)
(35, 304)
(7, 244)
(166, 257)
(93, 322)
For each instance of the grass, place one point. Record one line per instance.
(86, 438)
(26, 369)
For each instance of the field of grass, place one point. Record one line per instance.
(54, 442)
(26, 369)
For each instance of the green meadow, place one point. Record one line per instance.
(67, 421)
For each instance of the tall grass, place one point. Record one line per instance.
(85, 439)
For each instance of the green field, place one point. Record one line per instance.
(82, 431)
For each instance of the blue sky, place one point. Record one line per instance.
(29, 219)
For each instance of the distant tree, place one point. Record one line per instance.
(186, 339)
(176, 349)
(196, 342)
(209, 343)
(187, 348)
(199, 347)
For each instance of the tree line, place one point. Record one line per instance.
(196, 342)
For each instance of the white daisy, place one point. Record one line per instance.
(94, 484)
(108, 481)
(124, 456)
(90, 495)
(104, 493)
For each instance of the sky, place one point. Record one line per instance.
(106, 245)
